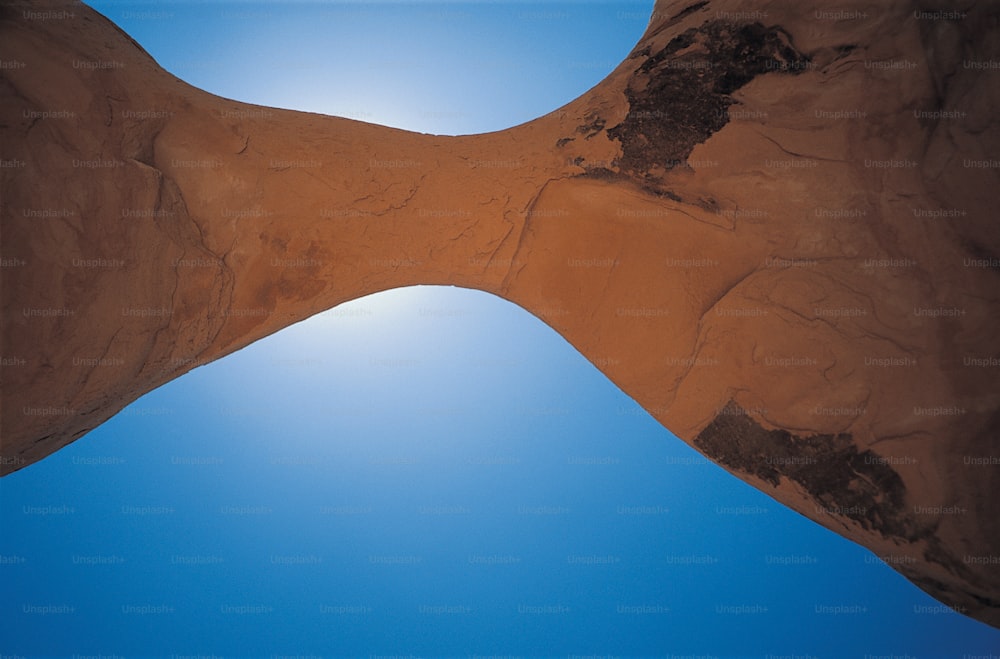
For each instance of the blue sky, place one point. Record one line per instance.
(428, 471)
(434, 67)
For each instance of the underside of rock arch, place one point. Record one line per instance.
(773, 228)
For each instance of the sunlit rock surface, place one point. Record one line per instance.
(773, 225)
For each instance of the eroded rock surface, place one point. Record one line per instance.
(772, 225)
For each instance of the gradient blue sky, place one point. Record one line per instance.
(428, 471)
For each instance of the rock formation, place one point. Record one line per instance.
(773, 225)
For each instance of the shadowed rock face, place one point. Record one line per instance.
(775, 230)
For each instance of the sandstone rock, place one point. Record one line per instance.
(772, 225)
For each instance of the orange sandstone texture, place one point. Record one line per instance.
(775, 229)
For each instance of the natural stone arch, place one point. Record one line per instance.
(766, 278)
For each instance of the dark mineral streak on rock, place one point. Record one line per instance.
(595, 124)
(685, 12)
(960, 601)
(842, 481)
(680, 96)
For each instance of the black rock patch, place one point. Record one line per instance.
(687, 10)
(595, 124)
(842, 481)
(680, 95)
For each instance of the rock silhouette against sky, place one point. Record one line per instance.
(777, 233)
